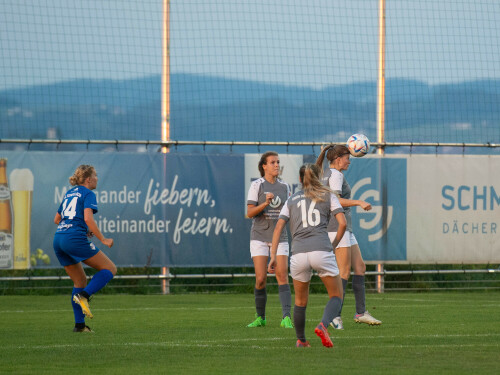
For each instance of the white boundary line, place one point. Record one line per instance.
(383, 308)
(224, 343)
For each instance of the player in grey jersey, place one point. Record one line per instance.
(266, 197)
(308, 212)
(347, 252)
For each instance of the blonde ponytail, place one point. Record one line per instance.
(310, 176)
(81, 174)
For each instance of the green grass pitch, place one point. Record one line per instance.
(422, 333)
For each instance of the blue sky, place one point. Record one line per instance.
(312, 43)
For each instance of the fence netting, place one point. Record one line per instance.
(250, 70)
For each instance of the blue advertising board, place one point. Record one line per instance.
(381, 231)
(161, 209)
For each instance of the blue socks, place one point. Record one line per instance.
(98, 282)
(77, 310)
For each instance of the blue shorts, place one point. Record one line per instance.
(73, 248)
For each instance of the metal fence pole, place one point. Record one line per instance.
(380, 278)
(165, 283)
(381, 107)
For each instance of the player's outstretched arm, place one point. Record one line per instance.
(353, 202)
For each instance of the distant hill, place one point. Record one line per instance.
(214, 108)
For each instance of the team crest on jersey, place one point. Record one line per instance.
(276, 202)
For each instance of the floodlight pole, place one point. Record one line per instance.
(165, 76)
(165, 106)
(381, 108)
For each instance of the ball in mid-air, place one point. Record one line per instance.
(358, 145)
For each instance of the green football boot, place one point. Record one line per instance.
(286, 322)
(258, 322)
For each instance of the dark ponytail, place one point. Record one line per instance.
(332, 152)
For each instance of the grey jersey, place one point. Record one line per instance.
(337, 182)
(308, 221)
(263, 224)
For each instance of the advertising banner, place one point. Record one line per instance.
(161, 209)
(427, 209)
(453, 209)
(382, 231)
(190, 209)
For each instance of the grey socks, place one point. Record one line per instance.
(332, 310)
(299, 321)
(344, 287)
(285, 299)
(358, 287)
(260, 302)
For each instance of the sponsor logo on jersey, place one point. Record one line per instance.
(275, 202)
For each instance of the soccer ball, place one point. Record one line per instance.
(358, 145)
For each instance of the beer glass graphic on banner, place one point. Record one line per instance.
(6, 253)
(21, 189)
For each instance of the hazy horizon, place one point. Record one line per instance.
(314, 44)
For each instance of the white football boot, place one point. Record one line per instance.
(337, 323)
(366, 318)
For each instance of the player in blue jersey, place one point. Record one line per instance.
(347, 252)
(308, 213)
(266, 197)
(75, 225)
